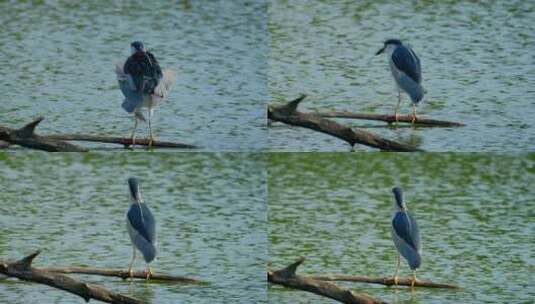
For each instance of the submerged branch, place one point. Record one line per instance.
(288, 114)
(26, 137)
(23, 270)
(121, 273)
(287, 277)
(420, 121)
(388, 281)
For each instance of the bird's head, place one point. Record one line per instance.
(398, 198)
(135, 193)
(137, 46)
(389, 44)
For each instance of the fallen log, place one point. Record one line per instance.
(288, 278)
(23, 270)
(121, 273)
(120, 141)
(388, 281)
(420, 121)
(26, 137)
(288, 114)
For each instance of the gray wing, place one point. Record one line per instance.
(142, 220)
(406, 228)
(132, 97)
(407, 62)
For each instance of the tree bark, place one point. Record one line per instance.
(23, 270)
(288, 114)
(121, 273)
(120, 140)
(26, 137)
(288, 278)
(388, 281)
(420, 121)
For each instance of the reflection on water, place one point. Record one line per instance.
(477, 61)
(475, 213)
(58, 60)
(210, 211)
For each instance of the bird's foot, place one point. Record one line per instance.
(396, 115)
(149, 273)
(413, 280)
(414, 118)
(130, 273)
(396, 280)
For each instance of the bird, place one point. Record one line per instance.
(141, 227)
(143, 85)
(406, 70)
(406, 236)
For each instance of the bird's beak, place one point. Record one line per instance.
(380, 51)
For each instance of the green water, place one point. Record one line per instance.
(210, 211)
(476, 214)
(478, 67)
(58, 60)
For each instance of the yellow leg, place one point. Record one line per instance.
(149, 272)
(151, 138)
(413, 278)
(133, 136)
(397, 270)
(413, 113)
(132, 262)
(396, 111)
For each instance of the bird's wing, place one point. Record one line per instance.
(142, 221)
(126, 83)
(156, 69)
(132, 97)
(135, 68)
(406, 228)
(407, 62)
(164, 86)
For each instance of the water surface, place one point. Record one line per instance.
(210, 211)
(475, 212)
(58, 60)
(478, 65)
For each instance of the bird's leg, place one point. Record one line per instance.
(413, 113)
(132, 262)
(396, 111)
(151, 138)
(413, 278)
(397, 269)
(133, 136)
(149, 272)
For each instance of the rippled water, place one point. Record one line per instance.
(477, 59)
(210, 211)
(58, 60)
(475, 213)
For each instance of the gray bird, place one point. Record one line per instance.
(141, 227)
(143, 85)
(406, 70)
(406, 236)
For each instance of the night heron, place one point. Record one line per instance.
(405, 235)
(143, 84)
(406, 70)
(141, 227)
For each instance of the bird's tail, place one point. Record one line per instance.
(417, 93)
